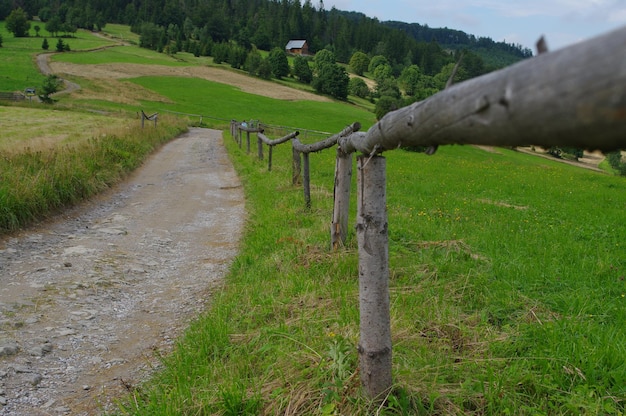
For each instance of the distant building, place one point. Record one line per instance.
(297, 47)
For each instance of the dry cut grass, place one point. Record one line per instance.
(36, 129)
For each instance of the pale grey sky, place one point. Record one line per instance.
(562, 22)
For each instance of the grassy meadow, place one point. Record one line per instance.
(18, 68)
(507, 271)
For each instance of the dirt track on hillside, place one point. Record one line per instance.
(86, 300)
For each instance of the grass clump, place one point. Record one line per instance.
(36, 182)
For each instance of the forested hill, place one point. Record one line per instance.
(495, 54)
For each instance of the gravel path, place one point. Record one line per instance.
(87, 300)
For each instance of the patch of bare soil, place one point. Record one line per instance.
(246, 83)
(87, 299)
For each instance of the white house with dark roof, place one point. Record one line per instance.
(297, 47)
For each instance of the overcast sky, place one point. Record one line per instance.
(562, 22)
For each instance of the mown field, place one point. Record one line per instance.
(508, 289)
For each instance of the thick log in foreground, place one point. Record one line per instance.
(574, 97)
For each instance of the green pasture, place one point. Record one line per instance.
(196, 96)
(121, 32)
(18, 68)
(121, 54)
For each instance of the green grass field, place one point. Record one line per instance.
(195, 96)
(120, 54)
(507, 271)
(17, 66)
(121, 32)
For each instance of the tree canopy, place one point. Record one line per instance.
(17, 23)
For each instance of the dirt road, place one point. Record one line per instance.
(86, 300)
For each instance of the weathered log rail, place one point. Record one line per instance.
(306, 149)
(263, 139)
(152, 117)
(300, 151)
(573, 97)
(12, 96)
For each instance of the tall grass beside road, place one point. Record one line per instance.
(507, 295)
(37, 181)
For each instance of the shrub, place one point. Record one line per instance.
(358, 87)
(253, 62)
(384, 105)
(51, 84)
(359, 63)
(332, 79)
(302, 70)
(278, 62)
(615, 160)
(265, 69)
(220, 53)
(17, 23)
(60, 45)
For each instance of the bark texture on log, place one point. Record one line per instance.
(275, 142)
(341, 208)
(375, 328)
(573, 97)
(306, 180)
(296, 166)
(326, 143)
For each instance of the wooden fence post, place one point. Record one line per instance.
(306, 180)
(248, 141)
(296, 167)
(375, 324)
(269, 158)
(341, 208)
(259, 145)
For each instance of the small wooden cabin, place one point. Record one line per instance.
(297, 47)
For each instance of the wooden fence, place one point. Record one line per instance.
(152, 117)
(573, 97)
(12, 96)
(301, 151)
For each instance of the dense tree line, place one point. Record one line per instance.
(495, 54)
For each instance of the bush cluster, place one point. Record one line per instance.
(616, 162)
